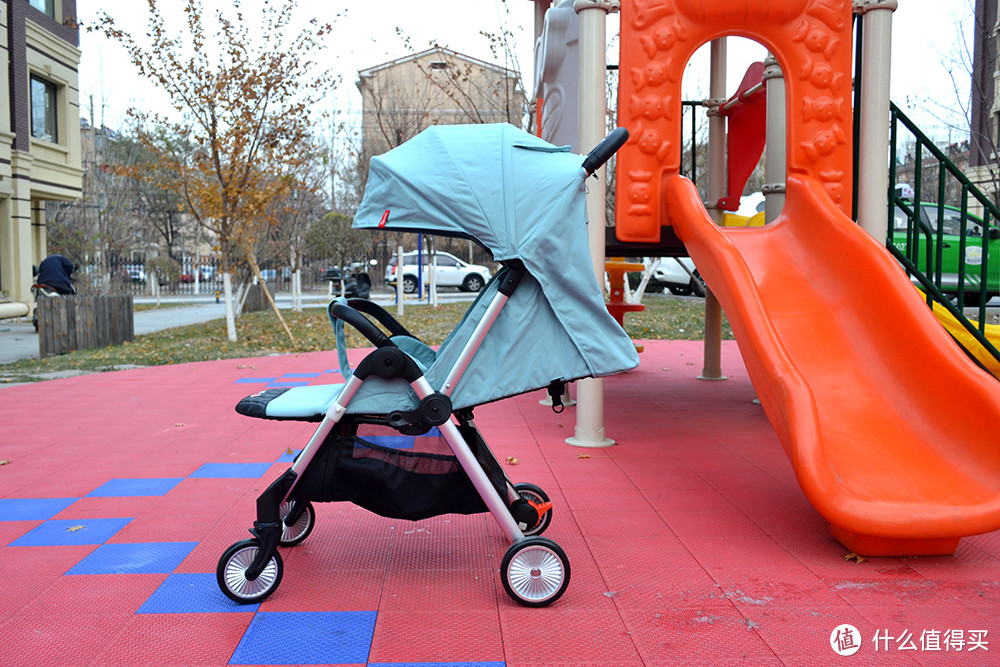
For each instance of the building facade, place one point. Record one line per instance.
(437, 86)
(39, 130)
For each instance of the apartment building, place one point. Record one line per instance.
(39, 131)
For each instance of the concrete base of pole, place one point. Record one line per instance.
(589, 430)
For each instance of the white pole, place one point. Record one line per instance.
(712, 366)
(873, 142)
(589, 430)
(775, 166)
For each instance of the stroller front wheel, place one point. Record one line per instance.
(296, 529)
(535, 571)
(538, 499)
(232, 568)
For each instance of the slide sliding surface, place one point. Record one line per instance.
(894, 435)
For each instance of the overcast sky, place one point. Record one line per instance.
(925, 38)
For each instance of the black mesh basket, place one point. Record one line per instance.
(394, 478)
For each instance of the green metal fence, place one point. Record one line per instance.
(951, 253)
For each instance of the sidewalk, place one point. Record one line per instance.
(18, 339)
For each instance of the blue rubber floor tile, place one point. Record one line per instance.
(186, 593)
(297, 638)
(289, 383)
(255, 380)
(231, 470)
(137, 558)
(32, 509)
(392, 441)
(286, 457)
(71, 532)
(121, 488)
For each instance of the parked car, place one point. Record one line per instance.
(356, 284)
(951, 247)
(450, 272)
(679, 275)
(136, 274)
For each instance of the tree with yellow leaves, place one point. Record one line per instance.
(244, 97)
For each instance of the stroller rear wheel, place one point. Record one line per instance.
(231, 573)
(295, 532)
(535, 571)
(538, 499)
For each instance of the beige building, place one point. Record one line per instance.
(39, 132)
(434, 87)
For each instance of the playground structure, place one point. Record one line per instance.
(889, 428)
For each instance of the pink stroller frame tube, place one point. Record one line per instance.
(473, 344)
(462, 451)
(333, 415)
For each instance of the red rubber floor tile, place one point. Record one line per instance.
(414, 636)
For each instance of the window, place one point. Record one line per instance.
(47, 7)
(43, 110)
(439, 64)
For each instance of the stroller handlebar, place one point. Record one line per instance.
(352, 316)
(603, 151)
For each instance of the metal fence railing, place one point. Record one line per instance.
(951, 252)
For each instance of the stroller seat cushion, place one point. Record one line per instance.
(295, 403)
(419, 351)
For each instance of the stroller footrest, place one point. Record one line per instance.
(295, 403)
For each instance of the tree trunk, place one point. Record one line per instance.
(227, 290)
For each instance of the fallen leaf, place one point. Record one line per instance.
(855, 557)
(179, 424)
(610, 594)
(289, 451)
(583, 456)
(73, 529)
(4, 462)
(511, 460)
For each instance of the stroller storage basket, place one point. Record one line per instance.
(397, 483)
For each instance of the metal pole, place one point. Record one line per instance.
(592, 109)
(873, 142)
(775, 161)
(712, 367)
(399, 281)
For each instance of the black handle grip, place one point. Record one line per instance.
(380, 314)
(603, 151)
(342, 311)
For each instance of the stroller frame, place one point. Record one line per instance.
(535, 570)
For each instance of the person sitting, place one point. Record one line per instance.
(55, 272)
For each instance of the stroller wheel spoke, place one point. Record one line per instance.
(232, 568)
(535, 571)
(299, 529)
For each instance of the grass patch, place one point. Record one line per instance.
(260, 334)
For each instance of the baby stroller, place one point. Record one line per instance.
(540, 322)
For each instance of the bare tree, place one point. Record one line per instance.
(246, 101)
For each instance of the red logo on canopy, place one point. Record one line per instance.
(385, 219)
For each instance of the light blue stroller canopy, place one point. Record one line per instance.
(522, 199)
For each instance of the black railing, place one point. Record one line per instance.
(917, 233)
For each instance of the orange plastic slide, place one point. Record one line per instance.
(892, 434)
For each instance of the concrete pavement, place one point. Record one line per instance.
(18, 339)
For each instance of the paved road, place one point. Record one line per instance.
(18, 340)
